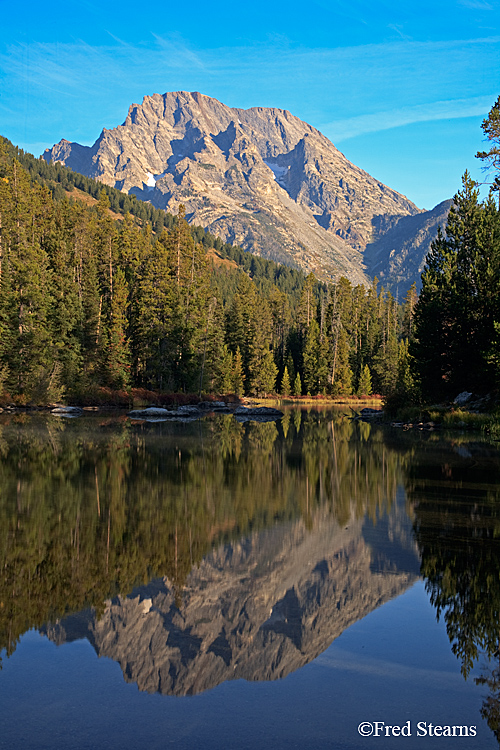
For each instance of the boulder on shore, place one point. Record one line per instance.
(257, 414)
(67, 411)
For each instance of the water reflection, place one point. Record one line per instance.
(455, 496)
(256, 609)
(456, 504)
(91, 508)
(193, 554)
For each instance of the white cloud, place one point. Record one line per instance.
(351, 127)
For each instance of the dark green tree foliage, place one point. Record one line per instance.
(87, 300)
(491, 129)
(240, 321)
(460, 301)
(118, 353)
(27, 347)
(262, 368)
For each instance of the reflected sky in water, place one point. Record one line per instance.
(244, 585)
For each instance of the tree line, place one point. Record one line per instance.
(119, 294)
(456, 344)
(91, 300)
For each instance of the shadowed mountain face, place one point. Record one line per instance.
(257, 609)
(397, 256)
(260, 178)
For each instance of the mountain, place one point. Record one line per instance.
(397, 257)
(257, 609)
(260, 178)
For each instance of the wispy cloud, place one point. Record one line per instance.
(476, 4)
(397, 117)
(178, 53)
(74, 89)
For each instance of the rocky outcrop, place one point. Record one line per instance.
(257, 609)
(259, 177)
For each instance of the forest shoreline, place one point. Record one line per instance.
(426, 417)
(107, 400)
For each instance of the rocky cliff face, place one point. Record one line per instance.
(260, 178)
(397, 256)
(257, 609)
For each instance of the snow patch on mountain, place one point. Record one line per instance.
(278, 171)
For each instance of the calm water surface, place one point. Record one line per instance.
(223, 585)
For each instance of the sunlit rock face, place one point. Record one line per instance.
(259, 177)
(254, 610)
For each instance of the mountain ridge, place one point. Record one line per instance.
(259, 177)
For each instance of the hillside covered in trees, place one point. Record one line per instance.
(113, 293)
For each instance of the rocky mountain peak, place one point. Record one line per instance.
(260, 177)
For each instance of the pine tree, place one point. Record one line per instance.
(307, 304)
(238, 376)
(285, 383)
(27, 292)
(290, 367)
(158, 320)
(279, 304)
(342, 384)
(409, 304)
(385, 365)
(491, 129)
(224, 384)
(65, 313)
(262, 369)
(297, 386)
(310, 358)
(240, 320)
(118, 351)
(365, 382)
(459, 303)
(217, 359)
(405, 384)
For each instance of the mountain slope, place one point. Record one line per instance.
(397, 257)
(260, 178)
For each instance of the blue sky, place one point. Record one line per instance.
(400, 88)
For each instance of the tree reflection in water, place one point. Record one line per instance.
(92, 508)
(456, 506)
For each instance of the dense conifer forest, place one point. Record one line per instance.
(99, 290)
(456, 342)
(95, 296)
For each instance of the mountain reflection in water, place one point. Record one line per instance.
(92, 508)
(256, 609)
(194, 554)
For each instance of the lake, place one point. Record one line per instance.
(308, 583)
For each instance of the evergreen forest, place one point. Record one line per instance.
(456, 342)
(100, 291)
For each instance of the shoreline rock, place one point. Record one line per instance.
(190, 413)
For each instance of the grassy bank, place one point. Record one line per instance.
(450, 417)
